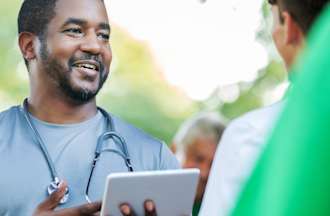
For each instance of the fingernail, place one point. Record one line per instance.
(149, 205)
(62, 186)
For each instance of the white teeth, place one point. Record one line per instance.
(89, 66)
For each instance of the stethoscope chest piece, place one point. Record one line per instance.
(54, 186)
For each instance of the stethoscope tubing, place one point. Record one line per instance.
(41, 143)
(98, 149)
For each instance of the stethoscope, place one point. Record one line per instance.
(110, 133)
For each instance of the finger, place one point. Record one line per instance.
(126, 210)
(89, 208)
(83, 210)
(54, 199)
(150, 208)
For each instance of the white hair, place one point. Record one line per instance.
(202, 125)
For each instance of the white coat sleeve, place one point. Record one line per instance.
(234, 160)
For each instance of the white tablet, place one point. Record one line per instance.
(173, 191)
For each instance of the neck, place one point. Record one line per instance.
(59, 111)
(294, 55)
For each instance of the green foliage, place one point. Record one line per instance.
(251, 96)
(12, 86)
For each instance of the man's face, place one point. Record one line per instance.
(75, 52)
(200, 155)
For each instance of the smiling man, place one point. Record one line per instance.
(49, 144)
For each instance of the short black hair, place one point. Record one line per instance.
(304, 12)
(272, 2)
(35, 15)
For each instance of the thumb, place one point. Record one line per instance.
(54, 199)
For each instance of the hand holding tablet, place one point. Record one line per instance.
(171, 191)
(149, 206)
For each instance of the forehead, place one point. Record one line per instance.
(203, 145)
(90, 10)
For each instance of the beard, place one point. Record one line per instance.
(61, 75)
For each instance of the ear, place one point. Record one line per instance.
(27, 46)
(293, 33)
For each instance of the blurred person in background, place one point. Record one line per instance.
(195, 144)
(245, 137)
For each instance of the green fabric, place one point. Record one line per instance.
(196, 208)
(292, 176)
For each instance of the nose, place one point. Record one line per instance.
(91, 44)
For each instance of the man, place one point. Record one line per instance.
(244, 138)
(53, 137)
(196, 142)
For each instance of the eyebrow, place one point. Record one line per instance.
(105, 26)
(82, 22)
(74, 21)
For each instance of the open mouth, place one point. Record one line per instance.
(91, 65)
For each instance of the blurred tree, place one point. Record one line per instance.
(138, 92)
(254, 94)
(12, 84)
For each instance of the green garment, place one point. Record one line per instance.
(292, 176)
(196, 208)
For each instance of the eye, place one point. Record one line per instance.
(104, 36)
(73, 31)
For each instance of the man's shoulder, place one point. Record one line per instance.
(240, 146)
(144, 147)
(133, 133)
(259, 119)
(8, 114)
(252, 128)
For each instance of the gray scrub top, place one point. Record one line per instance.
(25, 174)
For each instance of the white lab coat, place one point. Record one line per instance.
(235, 158)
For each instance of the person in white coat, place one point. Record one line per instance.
(244, 139)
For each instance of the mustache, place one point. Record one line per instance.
(87, 56)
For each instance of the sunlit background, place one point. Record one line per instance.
(197, 46)
(172, 59)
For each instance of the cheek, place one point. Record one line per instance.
(189, 164)
(60, 46)
(107, 53)
(275, 33)
(278, 38)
